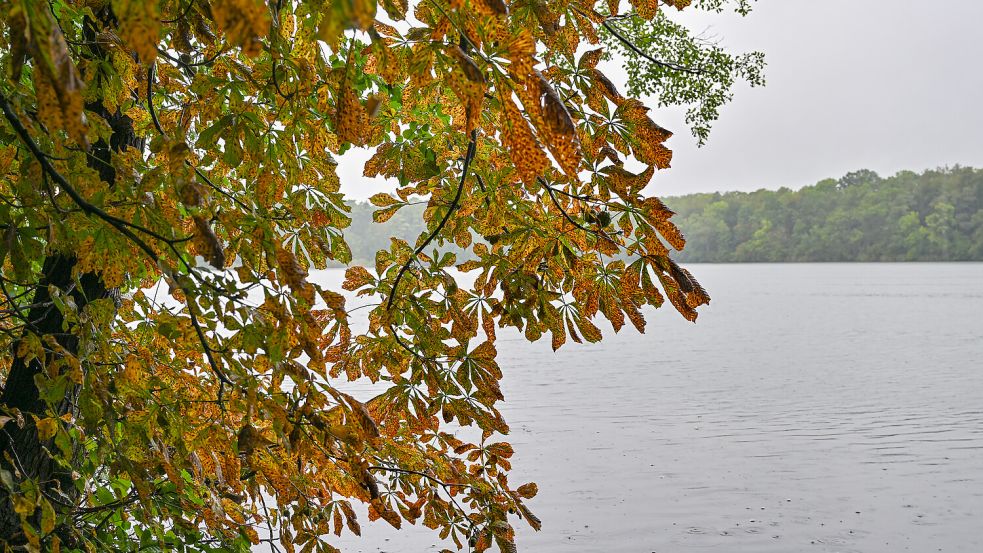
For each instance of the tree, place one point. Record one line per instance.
(172, 379)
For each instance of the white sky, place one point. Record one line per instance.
(878, 84)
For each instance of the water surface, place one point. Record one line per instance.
(814, 407)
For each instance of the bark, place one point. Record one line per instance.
(30, 459)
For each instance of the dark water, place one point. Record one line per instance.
(814, 408)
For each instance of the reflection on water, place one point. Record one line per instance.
(826, 408)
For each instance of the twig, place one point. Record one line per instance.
(182, 15)
(566, 215)
(646, 55)
(472, 145)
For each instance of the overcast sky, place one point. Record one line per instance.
(878, 84)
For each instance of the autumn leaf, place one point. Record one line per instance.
(59, 85)
(357, 277)
(139, 27)
(524, 149)
(47, 428)
(244, 21)
(646, 9)
(384, 215)
(528, 491)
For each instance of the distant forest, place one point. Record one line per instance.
(932, 216)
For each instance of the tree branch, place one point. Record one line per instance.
(120, 225)
(634, 47)
(472, 145)
(566, 215)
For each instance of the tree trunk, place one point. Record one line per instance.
(20, 391)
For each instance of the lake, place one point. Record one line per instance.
(813, 407)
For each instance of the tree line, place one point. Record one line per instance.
(933, 216)
(936, 215)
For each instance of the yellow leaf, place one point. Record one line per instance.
(524, 149)
(47, 428)
(139, 27)
(47, 517)
(243, 21)
(647, 136)
(22, 505)
(646, 9)
(378, 509)
(626, 184)
(383, 200)
(251, 534)
(357, 277)
(560, 129)
(671, 233)
(58, 84)
(383, 215)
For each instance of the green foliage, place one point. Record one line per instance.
(680, 68)
(933, 216)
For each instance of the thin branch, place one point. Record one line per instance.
(208, 351)
(404, 345)
(423, 474)
(207, 61)
(151, 73)
(472, 146)
(219, 189)
(481, 184)
(566, 215)
(182, 15)
(445, 485)
(269, 525)
(667, 65)
(583, 198)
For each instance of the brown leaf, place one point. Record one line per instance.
(497, 7)
(208, 242)
(559, 129)
(250, 439)
(139, 27)
(591, 58)
(57, 81)
(380, 510)
(357, 277)
(626, 184)
(524, 148)
(528, 491)
(646, 9)
(606, 87)
(672, 234)
(245, 22)
(352, 121)
(646, 136)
